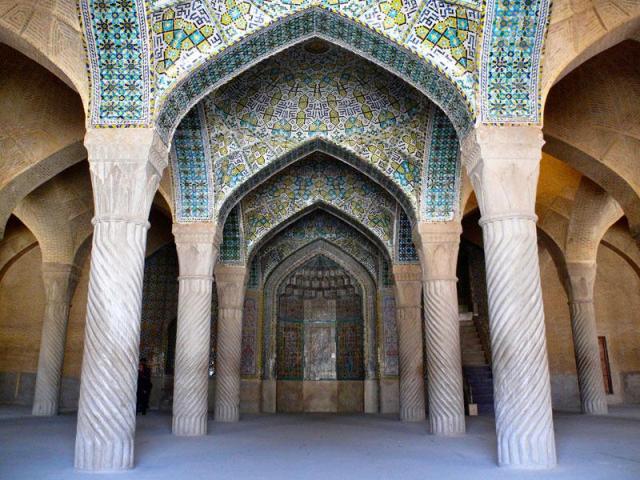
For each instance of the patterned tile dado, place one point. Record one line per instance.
(311, 182)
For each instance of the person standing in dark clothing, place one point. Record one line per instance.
(144, 387)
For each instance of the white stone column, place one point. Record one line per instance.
(126, 166)
(59, 284)
(230, 282)
(503, 164)
(581, 278)
(438, 245)
(197, 246)
(408, 291)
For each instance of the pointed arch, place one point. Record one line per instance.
(313, 23)
(294, 261)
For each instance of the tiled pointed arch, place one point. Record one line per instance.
(320, 222)
(318, 148)
(321, 23)
(296, 260)
(318, 181)
(433, 44)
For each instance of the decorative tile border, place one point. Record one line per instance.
(514, 33)
(119, 60)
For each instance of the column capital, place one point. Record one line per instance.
(126, 145)
(230, 280)
(437, 245)
(407, 281)
(581, 277)
(126, 167)
(60, 280)
(196, 233)
(503, 163)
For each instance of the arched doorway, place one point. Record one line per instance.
(319, 337)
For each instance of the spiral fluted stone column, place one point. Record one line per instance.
(408, 292)
(230, 280)
(197, 246)
(581, 279)
(438, 245)
(503, 164)
(126, 166)
(59, 284)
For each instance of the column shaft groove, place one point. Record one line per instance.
(107, 407)
(522, 393)
(444, 365)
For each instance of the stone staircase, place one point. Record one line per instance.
(475, 368)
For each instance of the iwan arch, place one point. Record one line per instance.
(373, 204)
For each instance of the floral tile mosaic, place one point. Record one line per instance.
(312, 182)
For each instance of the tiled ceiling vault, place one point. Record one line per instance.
(318, 181)
(151, 61)
(307, 92)
(319, 224)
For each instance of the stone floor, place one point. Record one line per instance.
(322, 447)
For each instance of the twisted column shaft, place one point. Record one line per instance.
(503, 165)
(59, 284)
(438, 249)
(408, 288)
(585, 338)
(126, 166)
(107, 407)
(230, 281)
(197, 250)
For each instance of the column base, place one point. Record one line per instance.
(44, 409)
(227, 414)
(371, 396)
(412, 414)
(595, 408)
(96, 455)
(269, 396)
(527, 452)
(189, 426)
(447, 427)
